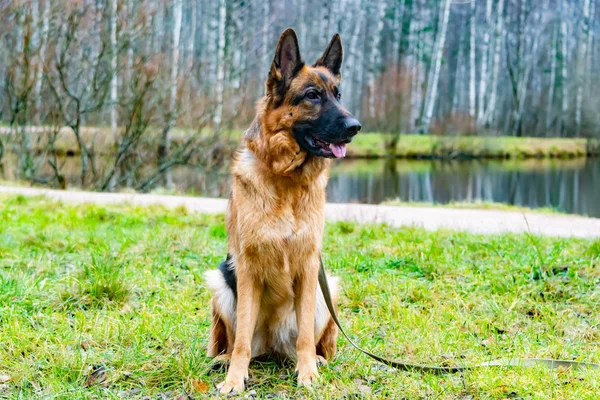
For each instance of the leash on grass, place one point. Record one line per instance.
(434, 369)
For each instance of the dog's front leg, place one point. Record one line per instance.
(305, 299)
(248, 305)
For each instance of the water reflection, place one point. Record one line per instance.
(566, 185)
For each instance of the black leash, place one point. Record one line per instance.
(522, 362)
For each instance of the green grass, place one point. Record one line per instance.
(107, 301)
(478, 205)
(415, 146)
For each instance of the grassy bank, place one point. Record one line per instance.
(478, 205)
(373, 145)
(108, 302)
(376, 145)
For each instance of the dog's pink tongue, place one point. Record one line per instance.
(338, 150)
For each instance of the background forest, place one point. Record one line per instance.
(125, 71)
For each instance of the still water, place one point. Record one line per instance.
(571, 186)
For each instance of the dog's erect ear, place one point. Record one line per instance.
(286, 63)
(332, 56)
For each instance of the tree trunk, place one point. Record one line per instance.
(217, 118)
(459, 76)
(472, 65)
(490, 111)
(550, 108)
(350, 63)
(172, 112)
(375, 56)
(417, 73)
(192, 38)
(582, 63)
(301, 22)
(130, 12)
(159, 23)
(398, 27)
(325, 12)
(37, 92)
(563, 73)
(266, 49)
(113, 69)
(484, 63)
(434, 75)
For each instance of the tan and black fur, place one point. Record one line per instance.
(265, 296)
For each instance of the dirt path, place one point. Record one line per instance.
(430, 218)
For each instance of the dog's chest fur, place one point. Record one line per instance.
(273, 218)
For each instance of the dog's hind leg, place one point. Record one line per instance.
(222, 329)
(217, 340)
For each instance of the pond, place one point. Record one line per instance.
(570, 186)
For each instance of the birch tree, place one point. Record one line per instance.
(374, 58)
(434, 75)
(491, 107)
(582, 62)
(484, 63)
(349, 65)
(113, 69)
(564, 75)
(472, 61)
(165, 147)
(217, 118)
(552, 82)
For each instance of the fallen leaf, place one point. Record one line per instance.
(4, 378)
(200, 386)
(97, 375)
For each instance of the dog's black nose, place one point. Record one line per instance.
(352, 125)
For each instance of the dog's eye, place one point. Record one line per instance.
(312, 95)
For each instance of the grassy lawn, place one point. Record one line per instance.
(108, 302)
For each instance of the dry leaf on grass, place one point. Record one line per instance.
(97, 375)
(200, 386)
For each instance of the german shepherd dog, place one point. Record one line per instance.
(265, 296)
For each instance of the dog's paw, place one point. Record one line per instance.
(307, 375)
(232, 386)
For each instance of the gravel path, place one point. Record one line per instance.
(430, 218)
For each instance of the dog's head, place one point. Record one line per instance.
(306, 100)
